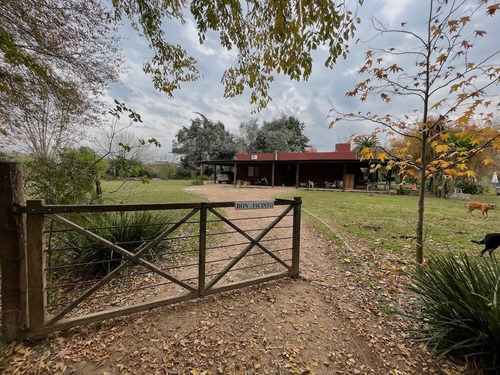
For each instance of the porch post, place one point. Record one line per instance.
(344, 172)
(235, 171)
(273, 169)
(297, 174)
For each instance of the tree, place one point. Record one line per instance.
(269, 37)
(203, 140)
(285, 134)
(55, 62)
(452, 90)
(365, 143)
(442, 182)
(125, 152)
(248, 133)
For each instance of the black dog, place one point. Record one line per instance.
(491, 241)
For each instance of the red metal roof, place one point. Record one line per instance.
(342, 152)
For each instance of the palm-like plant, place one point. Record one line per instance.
(129, 230)
(365, 143)
(460, 307)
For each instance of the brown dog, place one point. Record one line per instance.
(484, 207)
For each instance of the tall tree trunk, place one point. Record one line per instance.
(419, 256)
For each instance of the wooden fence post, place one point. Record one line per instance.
(202, 248)
(37, 296)
(12, 251)
(297, 209)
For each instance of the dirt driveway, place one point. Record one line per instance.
(326, 322)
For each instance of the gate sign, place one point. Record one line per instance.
(253, 205)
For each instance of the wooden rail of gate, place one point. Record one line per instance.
(26, 286)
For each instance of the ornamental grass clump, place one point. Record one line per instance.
(460, 307)
(129, 230)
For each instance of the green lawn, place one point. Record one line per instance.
(156, 191)
(383, 221)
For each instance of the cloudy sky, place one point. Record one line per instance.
(309, 101)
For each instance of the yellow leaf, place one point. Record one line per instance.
(438, 104)
(489, 161)
(442, 148)
(444, 136)
(382, 156)
(471, 174)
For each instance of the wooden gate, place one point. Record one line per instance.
(195, 250)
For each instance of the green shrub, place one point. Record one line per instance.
(460, 306)
(469, 187)
(129, 230)
(183, 174)
(168, 171)
(199, 180)
(125, 168)
(70, 176)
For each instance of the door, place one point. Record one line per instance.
(349, 181)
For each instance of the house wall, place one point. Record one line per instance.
(265, 170)
(321, 172)
(285, 173)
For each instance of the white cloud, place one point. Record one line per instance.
(392, 10)
(309, 101)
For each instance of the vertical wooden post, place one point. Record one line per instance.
(37, 296)
(344, 172)
(202, 256)
(297, 209)
(235, 171)
(272, 172)
(297, 176)
(12, 251)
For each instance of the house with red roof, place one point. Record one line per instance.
(340, 169)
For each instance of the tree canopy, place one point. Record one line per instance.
(203, 140)
(285, 134)
(56, 58)
(248, 134)
(269, 37)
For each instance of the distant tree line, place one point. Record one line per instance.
(205, 139)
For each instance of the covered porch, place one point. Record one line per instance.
(319, 174)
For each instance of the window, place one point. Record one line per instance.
(253, 172)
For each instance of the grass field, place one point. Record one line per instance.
(381, 222)
(156, 191)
